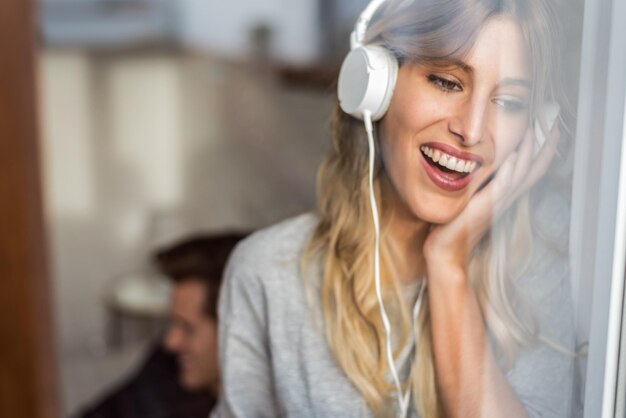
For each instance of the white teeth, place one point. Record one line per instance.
(448, 161)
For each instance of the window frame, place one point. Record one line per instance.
(598, 230)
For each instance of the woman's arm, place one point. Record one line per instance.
(469, 379)
(541, 381)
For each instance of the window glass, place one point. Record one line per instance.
(499, 158)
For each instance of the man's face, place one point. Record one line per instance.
(192, 337)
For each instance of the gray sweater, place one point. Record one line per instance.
(275, 361)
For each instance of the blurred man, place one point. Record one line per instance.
(180, 379)
(196, 267)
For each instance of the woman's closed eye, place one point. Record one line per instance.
(444, 84)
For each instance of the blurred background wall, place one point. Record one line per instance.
(161, 118)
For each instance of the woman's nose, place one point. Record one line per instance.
(470, 120)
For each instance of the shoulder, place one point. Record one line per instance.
(282, 241)
(262, 282)
(271, 254)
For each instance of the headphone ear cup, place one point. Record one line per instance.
(367, 80)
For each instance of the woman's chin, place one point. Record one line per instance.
(438, 219)
(438, 213)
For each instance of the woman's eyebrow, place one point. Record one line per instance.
(454, 62)
(511, 81)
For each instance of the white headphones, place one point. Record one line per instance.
(368, 73)
(366, 83)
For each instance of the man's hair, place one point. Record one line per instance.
(201, 258)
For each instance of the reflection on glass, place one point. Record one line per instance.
(434, 278)
(199, 118)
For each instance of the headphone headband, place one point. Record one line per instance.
(358, 33)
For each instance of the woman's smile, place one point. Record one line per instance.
(447, 167)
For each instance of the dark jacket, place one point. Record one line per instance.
(153, 392)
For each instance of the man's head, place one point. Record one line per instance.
(195, 266)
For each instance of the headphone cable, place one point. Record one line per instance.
(403, 398)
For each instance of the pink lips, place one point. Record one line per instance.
(449, 181)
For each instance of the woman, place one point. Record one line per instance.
(462, 247)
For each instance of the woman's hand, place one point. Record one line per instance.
(451, 244)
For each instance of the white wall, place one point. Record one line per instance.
(224, 26)
(221, 26)
(134, 142)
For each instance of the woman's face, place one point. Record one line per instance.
(469, 116)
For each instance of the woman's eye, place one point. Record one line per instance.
(511, 105)
(444, 84)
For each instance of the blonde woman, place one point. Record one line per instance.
(467, 314)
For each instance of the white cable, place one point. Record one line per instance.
(403, 398)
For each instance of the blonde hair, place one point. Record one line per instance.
(420, 31)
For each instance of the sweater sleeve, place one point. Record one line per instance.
(245, 360)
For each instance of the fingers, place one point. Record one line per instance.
(543, 160)
(526, 153)
(487, 204)
(519, 172)
(532, 165)
(490, 201)
(505, 182)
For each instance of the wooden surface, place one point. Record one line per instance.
(28, 380)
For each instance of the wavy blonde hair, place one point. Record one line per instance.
(419, 31)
